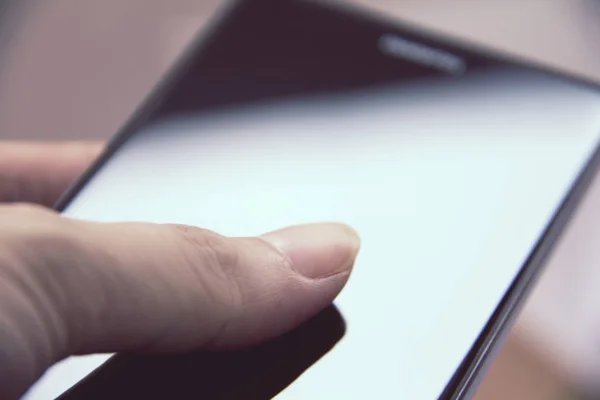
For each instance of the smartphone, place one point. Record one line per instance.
(459, 168)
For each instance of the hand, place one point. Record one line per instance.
(69, 287)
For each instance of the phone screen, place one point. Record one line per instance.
(449, 164)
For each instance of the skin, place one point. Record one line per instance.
(71, 287)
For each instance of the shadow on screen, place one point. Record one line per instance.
(258, 373)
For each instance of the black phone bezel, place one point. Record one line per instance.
(466, 378)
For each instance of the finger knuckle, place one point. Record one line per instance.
(210, 247)
(214, 261)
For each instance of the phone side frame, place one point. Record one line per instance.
(472, 370)
(470, 373)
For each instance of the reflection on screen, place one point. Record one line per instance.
(449, 181)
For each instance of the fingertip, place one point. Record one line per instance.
(317, 251)
(280, 296)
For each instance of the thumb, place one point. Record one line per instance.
(164, 288)
(169, 288)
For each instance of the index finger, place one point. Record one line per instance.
(38, 172)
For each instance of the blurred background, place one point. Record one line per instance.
(72, 69)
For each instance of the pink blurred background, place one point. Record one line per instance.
(75, 70)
